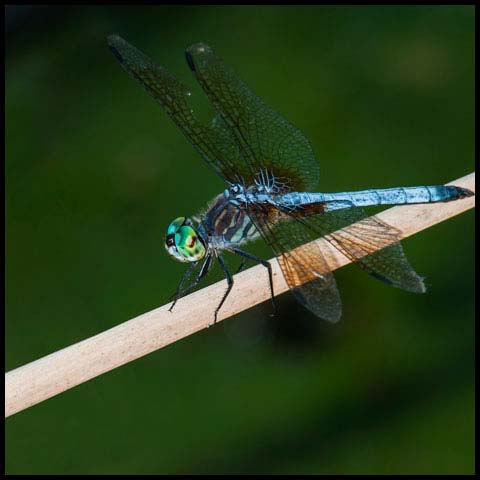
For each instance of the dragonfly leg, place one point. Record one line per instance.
(242, 264)
(261, 261)
(203, 271)
(177, 293)
(229, 278)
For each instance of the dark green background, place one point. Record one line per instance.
(95, 171)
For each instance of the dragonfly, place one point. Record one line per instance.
(271, 175)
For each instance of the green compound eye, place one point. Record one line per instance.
(188, 244)
(175, 225)
(183, 242)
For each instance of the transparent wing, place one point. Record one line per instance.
(369, 242)
(264, 139)
(304, 268)
(214, 143)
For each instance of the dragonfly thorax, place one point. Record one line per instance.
(262, 190)
(184, 242)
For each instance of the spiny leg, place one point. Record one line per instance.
(229, 278)
(261, 261)
(185, 276)
(242, 264)
(203, 271)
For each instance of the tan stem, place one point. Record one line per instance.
(32, 383)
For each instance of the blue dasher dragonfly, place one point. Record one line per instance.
(271, 175)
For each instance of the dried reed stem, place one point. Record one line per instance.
(32, 383)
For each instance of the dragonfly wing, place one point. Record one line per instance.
(369, 242)
(265, 140)
(304, 268)
(172, 95)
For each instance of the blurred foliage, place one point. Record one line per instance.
(95, 171)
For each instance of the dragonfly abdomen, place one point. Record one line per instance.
(372, 197)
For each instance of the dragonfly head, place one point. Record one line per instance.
(183, 242)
